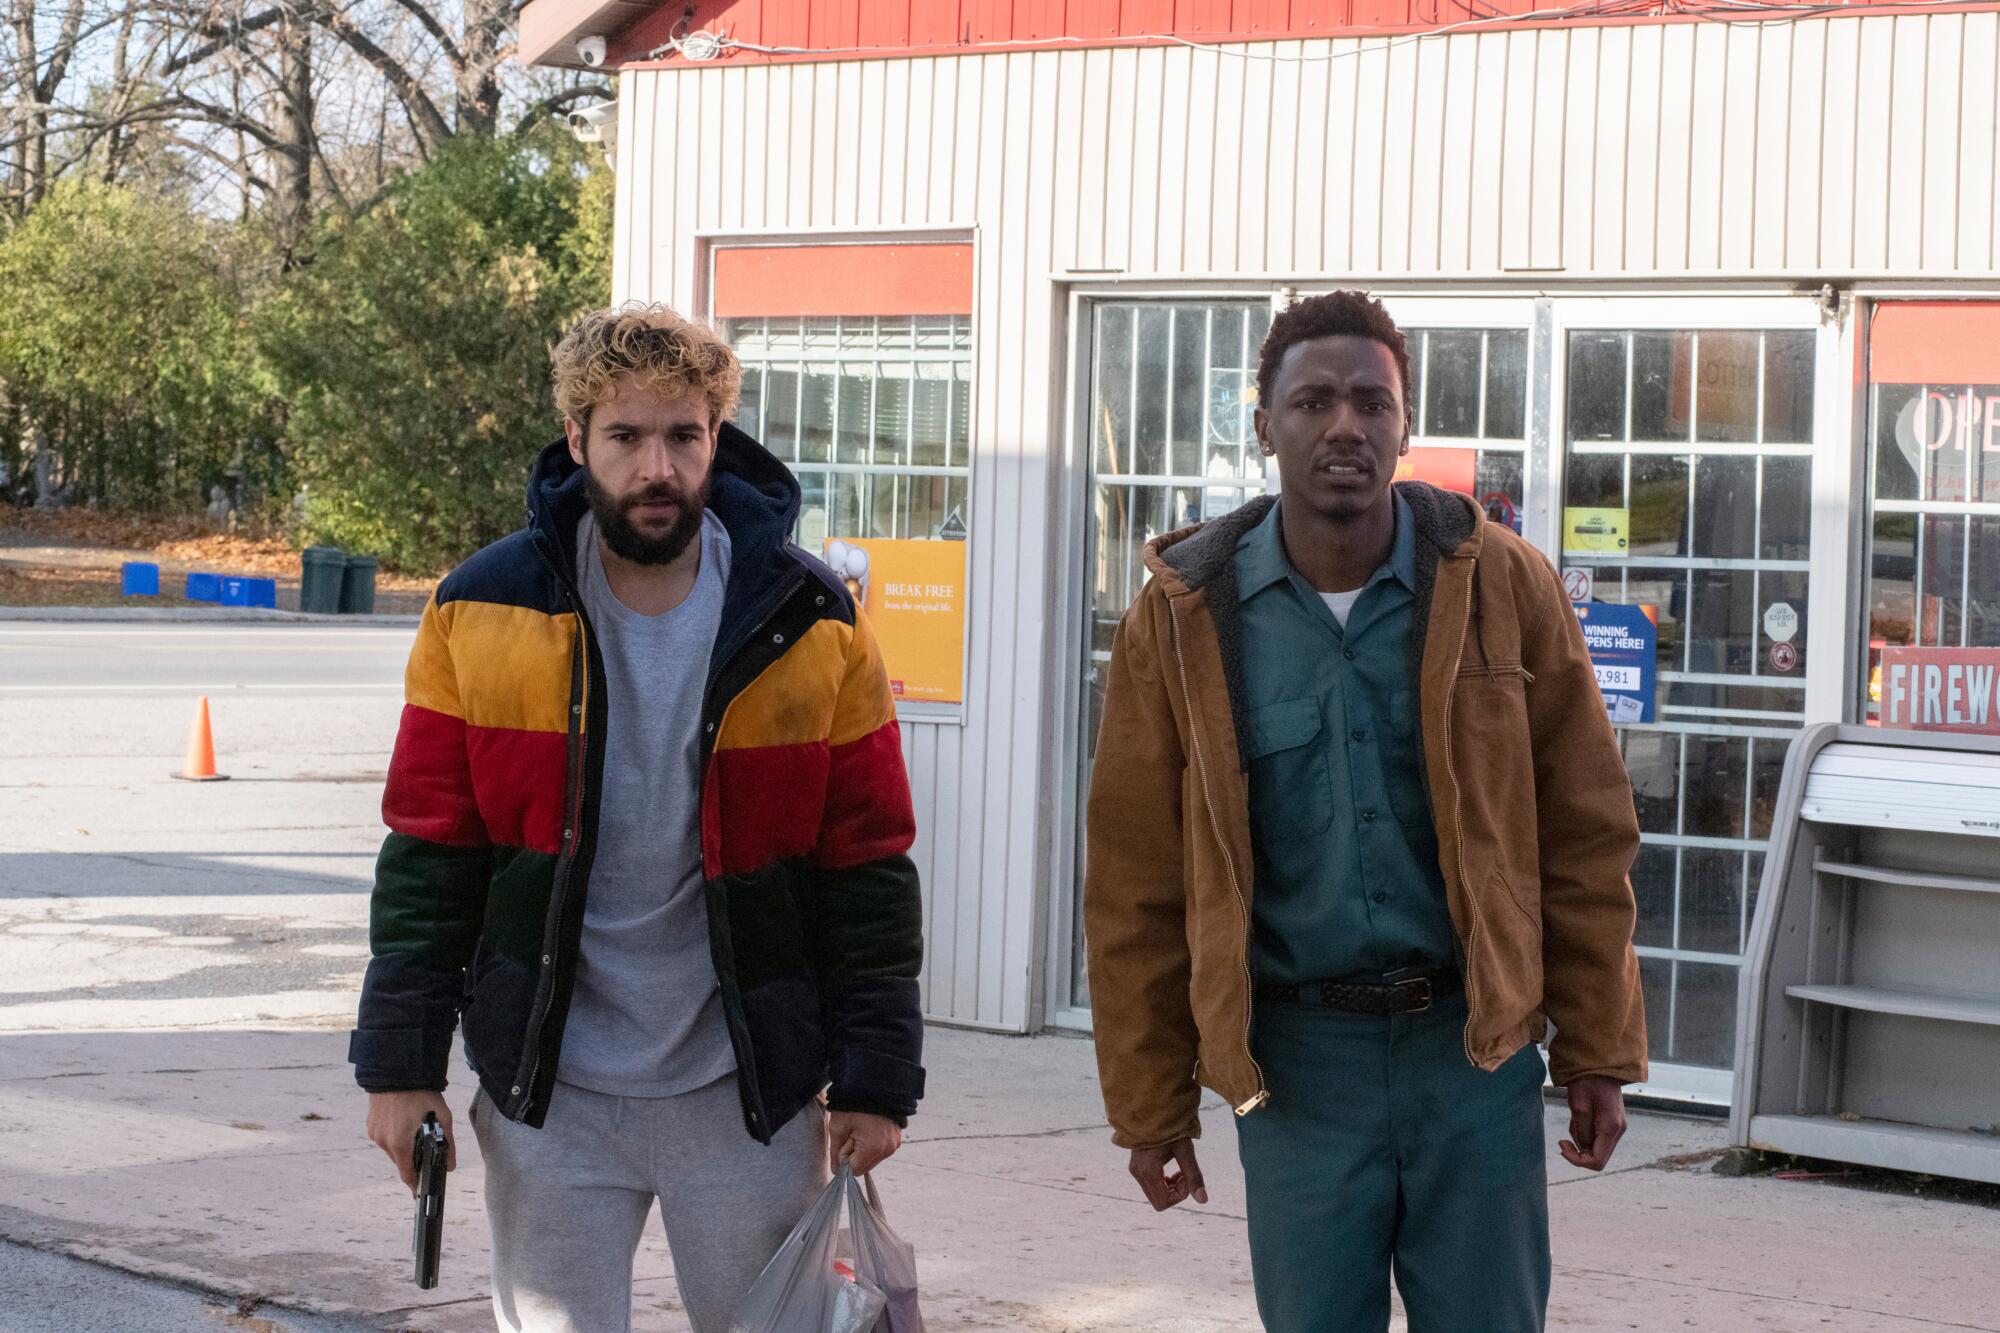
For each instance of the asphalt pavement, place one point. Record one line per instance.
(178, 970)
(42, 1292)
(84, 660)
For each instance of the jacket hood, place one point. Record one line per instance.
(754, 495)
(1445, 521)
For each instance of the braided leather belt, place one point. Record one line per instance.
(1409, 995)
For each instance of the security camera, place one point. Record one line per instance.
(596, 123)
(591, 51)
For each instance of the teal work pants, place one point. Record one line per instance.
(1383, 1149)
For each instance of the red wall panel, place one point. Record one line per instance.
(834, 23)
(1935, 342)
(1039, 20)
(891, 279)
(1209, 18)
(933, 22)
(1143, 16)
(1262, 16)
(1092, 18)
(886, 24)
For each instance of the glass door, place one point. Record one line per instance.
(1686, 487)
(1172, 387)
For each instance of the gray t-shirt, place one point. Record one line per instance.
(646, 1019)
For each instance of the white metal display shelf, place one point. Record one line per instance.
(1890, 781)
(1908, 1003)
(1960, 1154)
(1909, 879)
(1869, 1016)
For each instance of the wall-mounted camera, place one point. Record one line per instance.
(592, 51)
(596, 123)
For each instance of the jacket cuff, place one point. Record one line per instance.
(1621, 1074)
(394, 1060)
(876, 1083)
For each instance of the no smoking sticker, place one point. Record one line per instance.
(1580, 584)
(1783, 657)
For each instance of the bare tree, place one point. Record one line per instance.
(38, 75)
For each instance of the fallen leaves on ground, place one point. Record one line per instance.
(71, 587)
(179, 540)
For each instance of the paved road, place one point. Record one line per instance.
(42, 1292)
(128, 900)
(86, 661)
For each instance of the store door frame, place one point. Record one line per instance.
(1834, 538)
(1832, 534)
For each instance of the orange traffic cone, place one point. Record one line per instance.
(199, 765)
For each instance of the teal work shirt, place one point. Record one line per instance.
(1347, 878)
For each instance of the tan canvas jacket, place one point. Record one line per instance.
(1536, 830)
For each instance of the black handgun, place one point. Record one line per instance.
(428, 1239)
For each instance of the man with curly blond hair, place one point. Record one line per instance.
(649, 828)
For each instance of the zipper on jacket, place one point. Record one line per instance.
(1262, 1095)
(551, 935)
(1458, 833)
(733, 1019)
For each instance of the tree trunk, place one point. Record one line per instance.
(485, 47)
(292, 125)
(21, 155)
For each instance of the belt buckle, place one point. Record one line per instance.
(1424, 996)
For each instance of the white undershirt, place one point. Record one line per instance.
(1340, 603)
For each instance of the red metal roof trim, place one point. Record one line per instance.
(839, 30)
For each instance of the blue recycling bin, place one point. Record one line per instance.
(262, 592)
(139, 579)
(204, 587)
(235, 592)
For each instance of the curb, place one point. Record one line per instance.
(185, 615)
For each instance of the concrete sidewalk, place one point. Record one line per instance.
(178, 965)
(234, 1161)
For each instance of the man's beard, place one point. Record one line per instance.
(613, 515)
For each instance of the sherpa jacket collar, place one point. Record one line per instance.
(1202, 560)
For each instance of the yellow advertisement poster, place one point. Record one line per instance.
(1594, 531)
(913, 593)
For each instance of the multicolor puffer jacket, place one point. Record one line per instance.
(492, 802)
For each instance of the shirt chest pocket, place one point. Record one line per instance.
(1290, 791)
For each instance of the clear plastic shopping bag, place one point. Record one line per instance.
(882, 1258)
(830, 1278)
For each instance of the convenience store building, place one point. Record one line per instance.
(1703, 302)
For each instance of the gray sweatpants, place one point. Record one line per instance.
(568, 1202)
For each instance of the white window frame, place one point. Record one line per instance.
(1832, 548)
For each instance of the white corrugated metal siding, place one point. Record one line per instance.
(1702, 150)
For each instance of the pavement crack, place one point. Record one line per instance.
(143, 1073)
(213, 868)
(994, 1138)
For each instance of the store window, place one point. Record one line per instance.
(872, 414)
(1686, 490)
(1933, 422)
(1172, 388)
(1172, 393)
(1469, 388)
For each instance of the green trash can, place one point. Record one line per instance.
(357, 586)
(320, 579)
